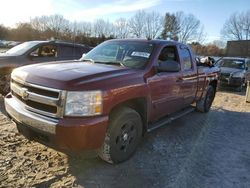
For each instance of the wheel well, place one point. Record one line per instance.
(214, 84)
(139, 105)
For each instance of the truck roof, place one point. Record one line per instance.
(57, 42)
(154, 41)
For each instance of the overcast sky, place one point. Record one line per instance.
(212, 13)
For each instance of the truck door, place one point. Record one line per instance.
(189, 70)
(165, 87)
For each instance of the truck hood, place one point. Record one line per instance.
(68, 75)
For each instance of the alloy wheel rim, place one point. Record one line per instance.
(124, 141)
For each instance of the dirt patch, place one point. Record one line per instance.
(198, 150)
(24, 163)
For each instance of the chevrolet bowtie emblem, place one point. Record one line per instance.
(24, 93)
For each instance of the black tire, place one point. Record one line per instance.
(122, 137)
(5, 84)
(205, 103)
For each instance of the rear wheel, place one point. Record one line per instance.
(122, 137)
(205, 103)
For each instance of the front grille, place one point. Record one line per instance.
(38, 90)
(38, 99)
(37, 105)
(224, 76)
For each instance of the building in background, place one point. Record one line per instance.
(240, 48)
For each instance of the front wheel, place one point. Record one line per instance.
(205, 103)
(122, 137)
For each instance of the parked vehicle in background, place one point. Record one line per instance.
(111, 97)
(12, 44)
(1, 44)
(235, 72)
(36, 52)
(8, 44)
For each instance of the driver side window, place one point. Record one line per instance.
(167, 54)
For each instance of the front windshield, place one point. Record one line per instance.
(125, 53)
(21, 48)
(233, 63)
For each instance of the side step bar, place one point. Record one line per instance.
(170, 118)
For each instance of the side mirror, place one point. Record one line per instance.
(83, 55)
(169, 66)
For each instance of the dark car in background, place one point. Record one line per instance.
(235, 72)
(32, 52)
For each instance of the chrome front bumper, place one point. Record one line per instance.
(20, 114)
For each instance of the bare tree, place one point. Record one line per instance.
(3, 32)
(190, 28)
(102, 28)
(153, 24)
(24, 32)
(53, 25)
(237, 26)
(171, 27)
(121, 28)
(137, 24)
(57, 24)
(84, 28)
(219, 43)
(202, 36)
(39, 23)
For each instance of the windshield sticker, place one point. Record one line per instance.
(238, 62)
(141, 54)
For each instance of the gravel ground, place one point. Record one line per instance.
(198, 150)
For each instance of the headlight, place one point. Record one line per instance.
(86, 103)
(238, 74)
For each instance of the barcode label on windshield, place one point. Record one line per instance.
(141, 54)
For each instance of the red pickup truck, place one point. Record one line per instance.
(111, 97)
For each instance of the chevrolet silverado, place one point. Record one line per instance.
(111, 97)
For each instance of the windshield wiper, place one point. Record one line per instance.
(110, 63)
(84, 60)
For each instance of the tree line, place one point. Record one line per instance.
(177, 26)
(237, 27)
(142, 24)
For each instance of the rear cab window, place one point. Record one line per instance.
(186, 58)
